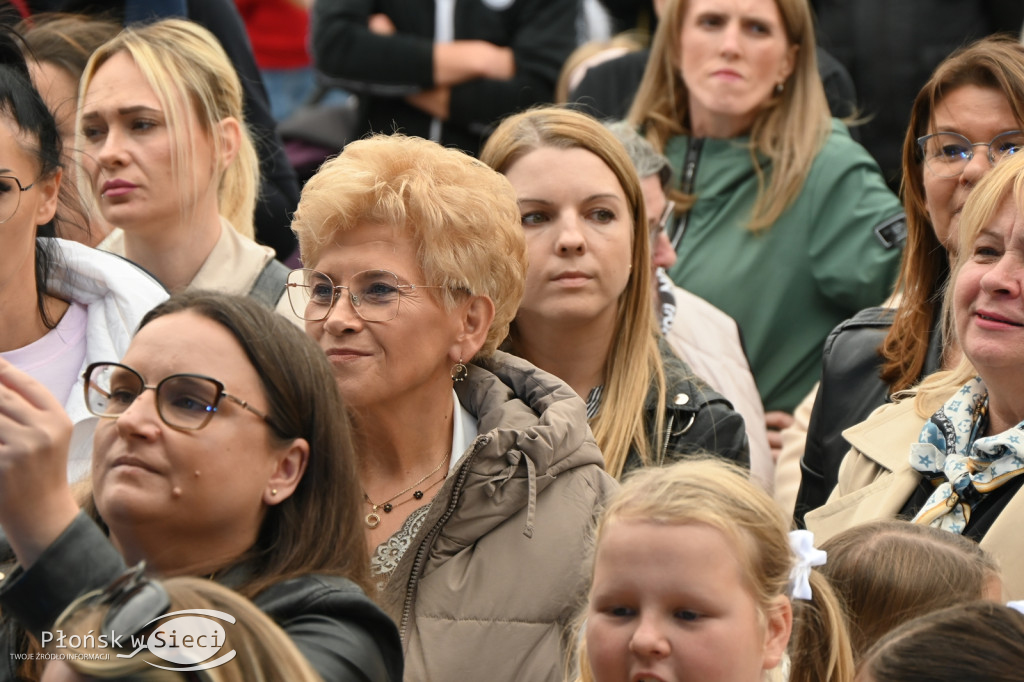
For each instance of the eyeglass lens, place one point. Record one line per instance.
(947, 154)
(374, 294)
(183, 401)
(10, 196)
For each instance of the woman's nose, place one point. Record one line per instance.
(141, 417)
(571, 240)
(344, 317)
(112, 150)
(1004, 277)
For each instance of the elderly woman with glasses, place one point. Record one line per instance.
(220, 453)
(479, 475)
(968, 117)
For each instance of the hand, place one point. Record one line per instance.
(464, 60)
(777, 421)
(36, 504)
(434, 102)
(381, 24)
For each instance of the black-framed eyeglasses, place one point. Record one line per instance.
(183, 401)
(663, 222)
(947, 154)
(10, 196)
(375, 294)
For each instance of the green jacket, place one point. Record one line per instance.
(819, 263)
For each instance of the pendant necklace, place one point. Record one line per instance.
(373, 518)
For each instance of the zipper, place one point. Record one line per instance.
(686, 183)
(428, 541)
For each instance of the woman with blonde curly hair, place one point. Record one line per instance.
(479, 476)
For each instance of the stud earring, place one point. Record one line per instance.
(459, 372)
(779, 87)
(273, 492)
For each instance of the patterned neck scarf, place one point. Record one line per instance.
(964, 466)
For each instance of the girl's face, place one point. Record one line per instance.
(128, 150)
(671, 603)
(578, 230)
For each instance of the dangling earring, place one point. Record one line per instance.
(459, 372)
(779, 87)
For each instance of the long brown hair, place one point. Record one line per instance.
(789, 131)
(996, 63)
(318, 529)
(634, 362)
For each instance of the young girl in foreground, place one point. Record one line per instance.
(692, 581)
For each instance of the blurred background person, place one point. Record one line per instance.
(786, 223)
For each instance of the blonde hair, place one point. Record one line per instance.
(790, 130)
(1005, 182)
(720, 495)
(265, 653)
(462, 217)
(925, 569)
(187, 67)
(589, 54)
(634, 362)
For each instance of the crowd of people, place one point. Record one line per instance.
(510, 390)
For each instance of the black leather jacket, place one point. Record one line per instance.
(850, 390)
(343, 634)
(697, 418)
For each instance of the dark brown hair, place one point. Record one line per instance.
(980, 642)
(318, 529)
(996, 63)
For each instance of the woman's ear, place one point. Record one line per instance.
(474, 321)
(230, 132)
(778, 628)
(289, 467)
(49, 192)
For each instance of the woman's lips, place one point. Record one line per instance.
(991, 320)
(116, 188)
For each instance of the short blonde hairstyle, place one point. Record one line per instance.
(186, 66)
(790, 130)
(634, 363)
(719, 494)
(265, 653)
(462, 217)
(1005, 182)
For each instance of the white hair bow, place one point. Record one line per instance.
(807, 555)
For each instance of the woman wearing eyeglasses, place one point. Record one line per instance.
(787, 224)
(62, 305)
(968, 117)
(480, 478)
(587, 316)
(221, 452)
(168, 160)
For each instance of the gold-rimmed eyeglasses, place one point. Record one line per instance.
(375, 294)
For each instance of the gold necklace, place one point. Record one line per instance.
(373, 518)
